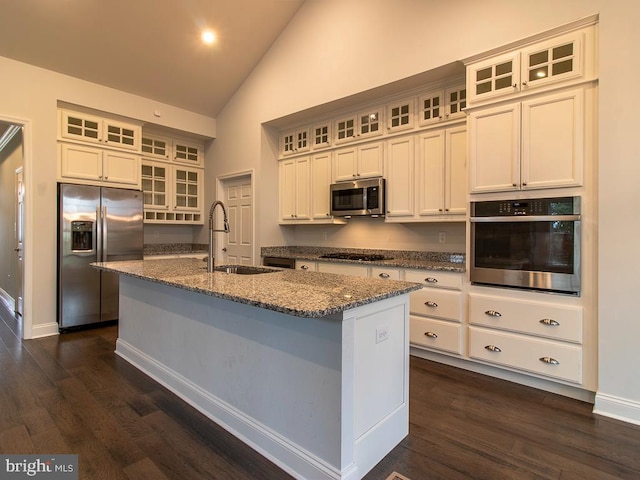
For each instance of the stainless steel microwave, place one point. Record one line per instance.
(360, 197)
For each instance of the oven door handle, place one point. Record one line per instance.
(527, 218)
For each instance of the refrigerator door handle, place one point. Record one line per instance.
(98, 234)
(104, 235)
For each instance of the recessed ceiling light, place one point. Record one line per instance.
(208, 37)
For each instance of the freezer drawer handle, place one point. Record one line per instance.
(549, 361)
(493, 313)
(550, 321)
(493, 348)
(431, 334)
(431, 304)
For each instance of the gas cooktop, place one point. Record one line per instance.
(365, 257)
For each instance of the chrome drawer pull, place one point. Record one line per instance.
(384, 275)
(304, 267)
(431, 335)
(431, 280)
(493, 313)
(549, 360)
(431, 304)
(550, 321)
(493, 348)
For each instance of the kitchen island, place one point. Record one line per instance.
(310, 369)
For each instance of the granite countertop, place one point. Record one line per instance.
(303, 294)
(175, 248)
(451, 262)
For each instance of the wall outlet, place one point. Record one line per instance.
(442, 237)
(382, 334)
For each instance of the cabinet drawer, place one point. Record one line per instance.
(343, 269)
(434, 278)
(427, 332)
(435, 302)
(559, 322)
(385, 273)
(537, 355)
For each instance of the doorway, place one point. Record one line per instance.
(12, 218)
(237, 193)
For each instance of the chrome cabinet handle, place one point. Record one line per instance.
(429, 303)
(304, 267)
(549, 361)
(431, 334)
(550, 321)
(493, 348)
(431, 280)
(384, 275)
(493, 313)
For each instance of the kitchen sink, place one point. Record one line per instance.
(243, 269)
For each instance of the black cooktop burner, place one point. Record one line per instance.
(366, 257)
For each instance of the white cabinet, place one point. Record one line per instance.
(295, 183)
(442, 104)
(537, 143)
(97, 166)
(344, 269)
(436, 311)
(321, 135)
(401, 178)
(368, 123)
(527, 331)
(86, 128)
(172, 193)
(189, 153)
(320, 181)
(400, 115)
(360, 161)
(428, 183)
(565, 58)
(442, 172)
(294, 141)
(156, 147)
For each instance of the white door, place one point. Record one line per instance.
(237, 245)
(19, 240)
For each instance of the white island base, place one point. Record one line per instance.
(323, 398)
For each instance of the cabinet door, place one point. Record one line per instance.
(455, 177)
(303, 188)
(187, 153)
(320, 181)
(494, 147)
(81, 162)
(370, 160)
(187, 185)
(77, 126)
(431, 173)
(493, 77)
(121, 168)
(400, 115)
(400, 177)
(553, 140)
(155, 185)
(121, 135)
(431, 107)
(455, 102)
(156, 147)
(287, 189)
(345, 164)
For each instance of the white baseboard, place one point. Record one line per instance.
(618, 408)
(44, 330)
(288, 456)
(7, 299)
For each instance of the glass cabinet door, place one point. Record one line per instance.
(186, 189)
(154, 186)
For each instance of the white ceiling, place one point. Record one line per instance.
(150, 48)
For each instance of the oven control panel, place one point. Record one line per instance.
(528, 207)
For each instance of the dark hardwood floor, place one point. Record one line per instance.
(72, 394)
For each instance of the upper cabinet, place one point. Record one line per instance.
(564, 58)
(295, 141)
(75, 126)
(361, 125)
(441, 105)
(361, 161)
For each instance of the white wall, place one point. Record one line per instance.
(29, 95)
(336, 48)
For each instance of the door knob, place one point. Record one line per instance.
(224, 249)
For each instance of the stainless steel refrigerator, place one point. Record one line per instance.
(95, 224)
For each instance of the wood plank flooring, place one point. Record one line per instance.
(72, 394)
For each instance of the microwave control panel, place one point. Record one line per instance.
(530, 207)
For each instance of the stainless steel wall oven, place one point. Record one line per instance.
(531, 244)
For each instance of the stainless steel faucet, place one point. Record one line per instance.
(210, 259)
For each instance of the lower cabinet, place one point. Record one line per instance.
(532, 332)
(436, 311)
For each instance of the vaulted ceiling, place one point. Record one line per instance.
(150, 48)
